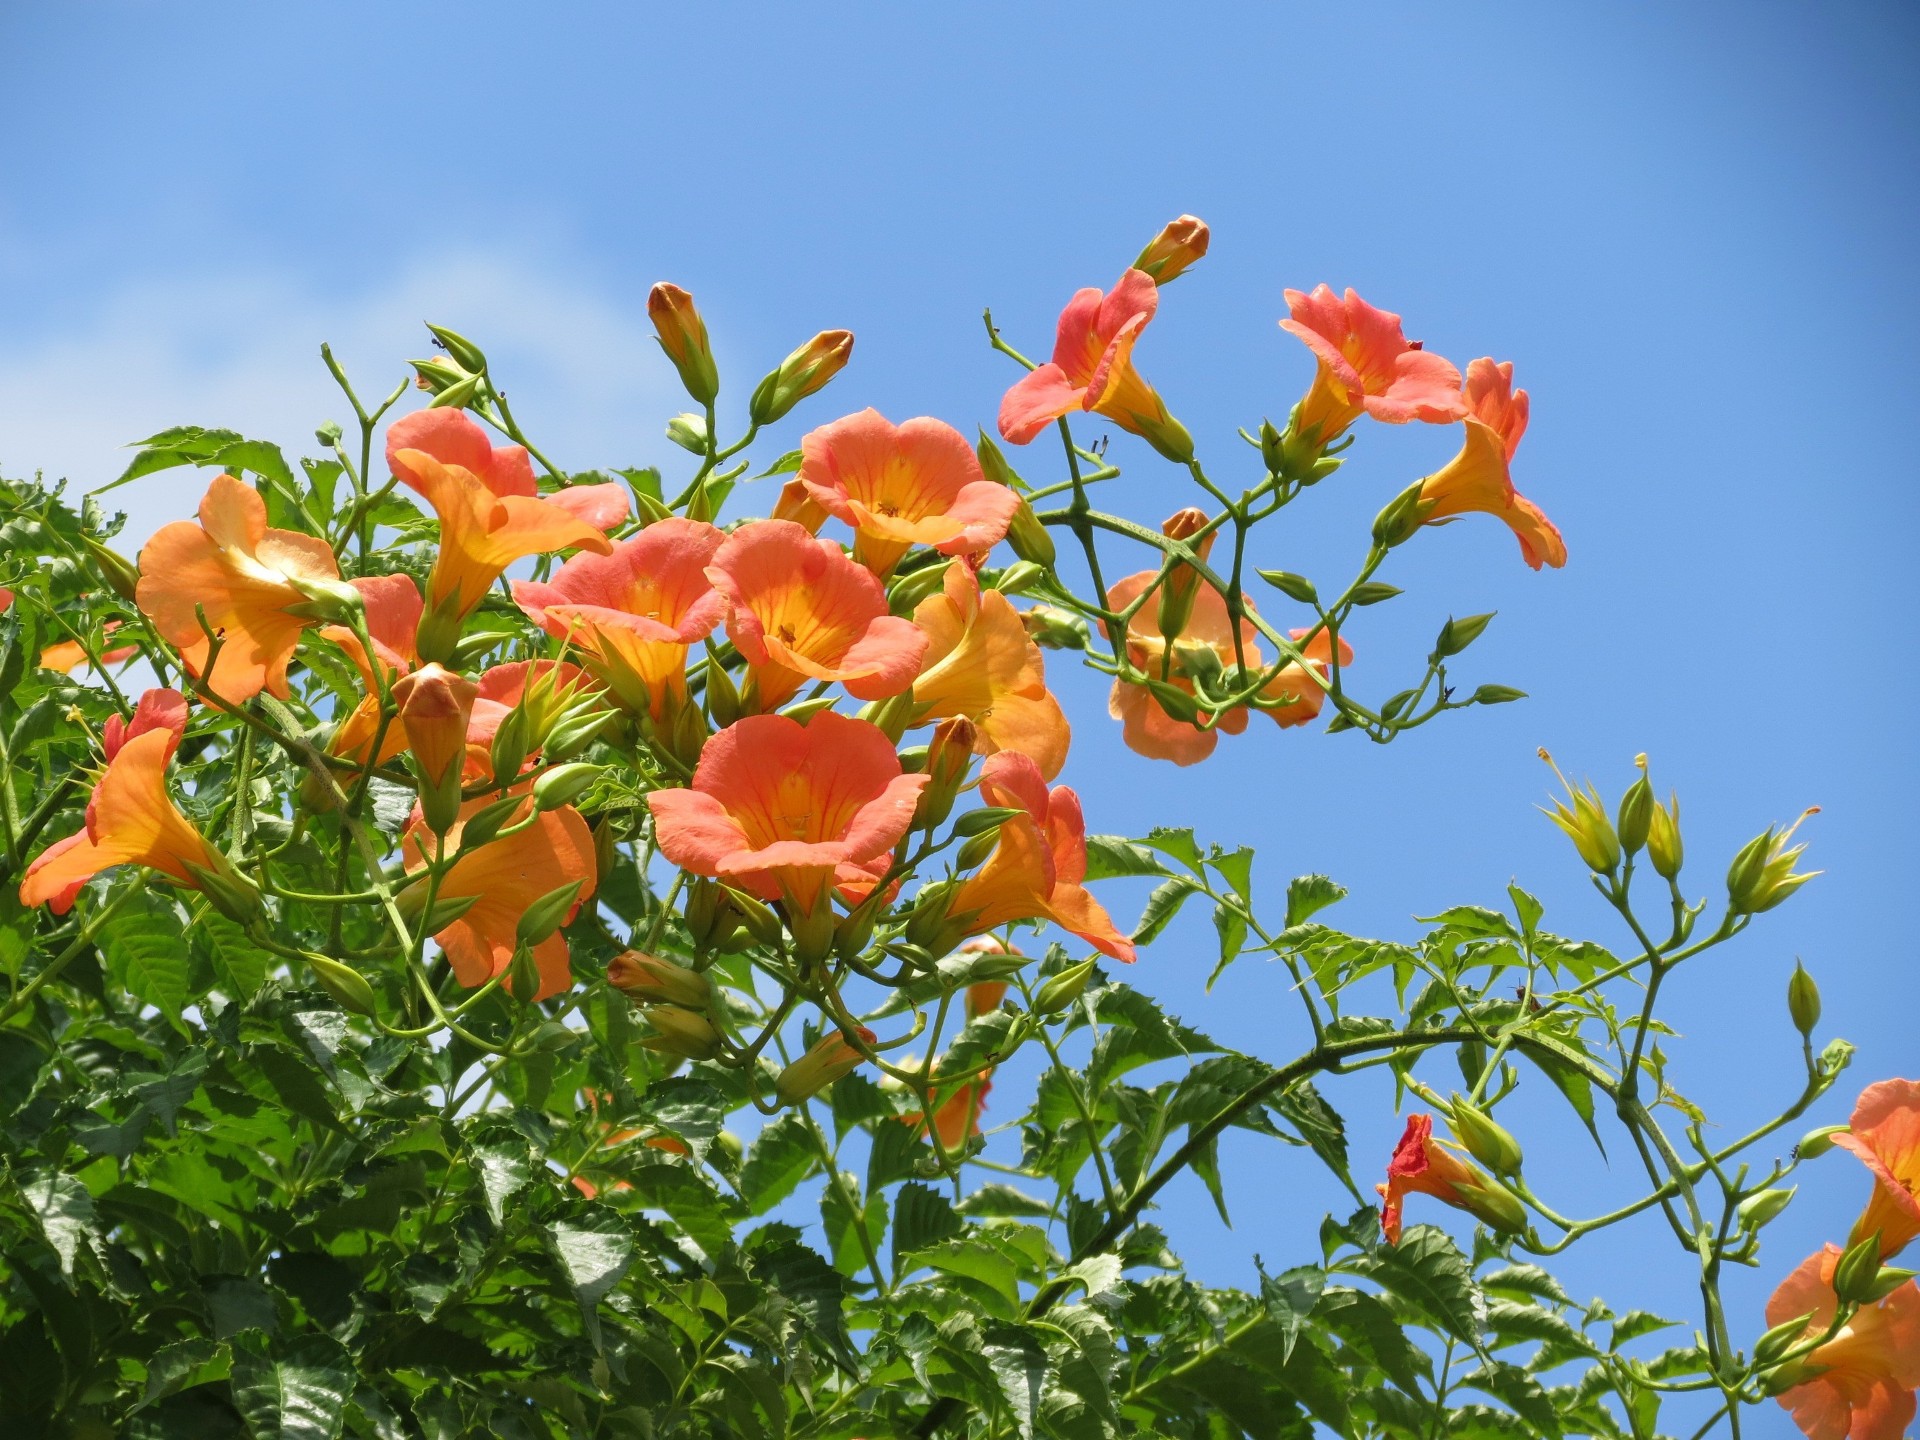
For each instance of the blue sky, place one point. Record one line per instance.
(1689, 226)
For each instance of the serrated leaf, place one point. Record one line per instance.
(1178, 843)
(1519, 1390)
(504, 1167)
(147, 956)
(781, 1156)
(64, 1209)
(300, 1393)
(922, 1216)
(1289, 1298)
(1162, 905)
(1112, 856)
(593, 1258)
(392, 804)
(1019, 1364)
(1308, 895)
(1004, 1202)
(1427, 1270)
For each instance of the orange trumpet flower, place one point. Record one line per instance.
(981, 663)
(506, 876)
(1860, 1384)
(634, 611)
(131, 820)
(1422, 1167)
(1476, 481)
(66, 656)
(903, 485)
(798, 609)
(1036, 869)
(490, 516)
(255, 585)
(1366, 366)
(1885, 1135)
(1148, 729)
(1092, 369)
(786, 810)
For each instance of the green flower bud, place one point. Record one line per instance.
(1780, 1339)
(986, 819)
(976, 851)
(687, 1034)
(564, 784)
(1816, 1143)
(344, 983)
(1664, 846)
(1634, 819)
(1762, 874)
(1055, 629)
(1858, 1272)
(1762, 1207)
(656, 979)
(1803, 1000)
(523, 975)
(689, 432)
(1890, 1279)
(1396, 524)
(462, 351)
(802, 373)
(723, 696)
(831, 1058)
(1485, 1139)
(1063, 989)
(548, 913)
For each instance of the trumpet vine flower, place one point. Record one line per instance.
(1421, 1166)
(1092, 369)
(633, 612)
(506, 876)
(1365, 365)
(393, 616)
(786, 810)
(1477, 480)
(1860, 1384)
(982, 664)
(1885, 1135)
(1037, 868)
(897, 486)
(254, 584)
(131, 819)
(799, 609)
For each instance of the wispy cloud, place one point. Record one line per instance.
(242, 352)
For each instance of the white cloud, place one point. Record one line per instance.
(242, 352)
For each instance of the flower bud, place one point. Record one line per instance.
(1664, 847)
(949, 755)
(1890, 1279)
(548, 913)
(1272, 448)
(435, 705)
(1584, 819)
(606, 842)
(1634, 819)
(436, 374)
(330, 600)
(657, 980)
(1818, 1142)
(801, 374)
(1858, 1271)
(1172, 252)
(723, 696)
(1495, 1205)
(1763, 1207)
(1762, 874)
(1167, 435)
(575, 730)
(1780, 1339)
(755, 914)
(118, 571)
(683, 335)
(1485, 1139)
(906, 591)
(462, 351)
(684, 1033)
(564, 784)
(1178, 589)
(689, 432)
(344, 983)
(929, 914)
(706, 913)
(976, 851)
(456, 396)
(1788, 1376)
(891, 716)
(1019, 577)
(412, 902)
(1803, 1000)
(853, 934)
(523, 975)
(1029, 538)
(830, 1059)
(227, 890)
(489, 821)
(1055, 629)
(439, 633)
(1172, 699)
(1063, 989)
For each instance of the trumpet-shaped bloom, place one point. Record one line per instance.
(1092, 366)
(131, 820)
(1860, 1384)
(1147, 727)
(246, 577)
(1036, 869)
(393, 616)
(981, 663)
(956, 1119)
(455, 439)
(903, 485)
(785, 810)
(1477, 481)
(1366, 366)
(1885, 1134)
(506, 876)
(799, 609)
(633, 613)
(1420, 1166)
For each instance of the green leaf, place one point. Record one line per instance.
(787, 464)
(991, 1277)
(1177, 843)
(300, 1394)
(64, 1209)
(1112, 856)
(1427, 1270)
(1318, 1123)
(593, 1257)
(147, 956)
(1364, 1321)
(1236, 866)
(1019, 1364)
(1520, 1391)
(814, 1288)
(1162, 905)
(504, 1166)
(1004, 1202)
(1570, 1082)
(1290, 1298)
(1525, 1280)
(1513, 1324)
(239, 966)
(845, 1224)
(922, 1216)
(782, 1155)
(1308, 895)
(1636, 1323)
